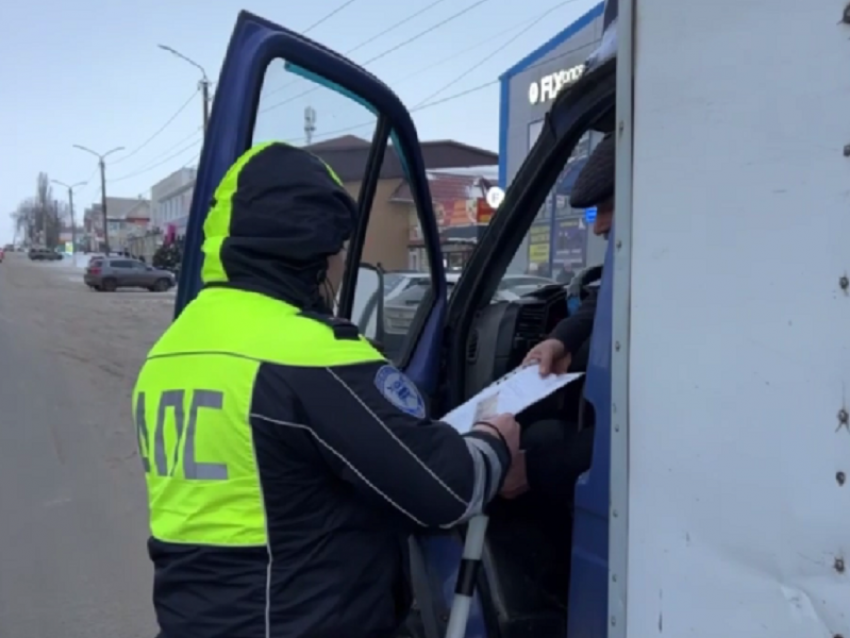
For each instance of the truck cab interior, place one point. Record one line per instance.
(527, 577)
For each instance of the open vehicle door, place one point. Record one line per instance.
(277, 85)
(486, 340)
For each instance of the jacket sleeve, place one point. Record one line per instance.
(576, 329)
(424, 469)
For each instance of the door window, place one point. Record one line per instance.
(344, 131)
(121, 263)
(556, 245)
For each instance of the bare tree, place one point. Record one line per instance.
(25, 222)
(39, 219)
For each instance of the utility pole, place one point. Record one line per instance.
(71, 209)
(203, 84)
(55, 215)
(102, 164)
(309, 124)
(205, 93)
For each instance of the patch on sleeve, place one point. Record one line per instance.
(396, 388)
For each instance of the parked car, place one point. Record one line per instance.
(2, 254)
(400, 309)
(110, 273)
(397, 281)
(44, 254)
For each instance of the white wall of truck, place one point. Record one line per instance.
(730, 504)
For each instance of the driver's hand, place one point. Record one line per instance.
(550, 355)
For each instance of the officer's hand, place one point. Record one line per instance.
(516, 482)
(550, 355)
(504, 424)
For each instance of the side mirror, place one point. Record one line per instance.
(367, 311)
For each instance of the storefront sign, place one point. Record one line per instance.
(484, 212)
(547, 88)
(539, 241)
(570, 242)
(495, 196)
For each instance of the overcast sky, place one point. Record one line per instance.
(89, 72)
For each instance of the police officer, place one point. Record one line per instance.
(286, 461)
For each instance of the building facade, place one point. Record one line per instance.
(393, 240)
(559, 239)
(171, 199)
(126, 217)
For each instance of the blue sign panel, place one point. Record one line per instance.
(590, 215)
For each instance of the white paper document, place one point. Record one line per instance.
(513, 393)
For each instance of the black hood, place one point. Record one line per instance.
(277, 216)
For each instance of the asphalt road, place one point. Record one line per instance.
(73, 514)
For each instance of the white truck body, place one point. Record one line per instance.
(732, 315)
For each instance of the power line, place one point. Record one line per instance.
(389, 29)
(327, 17)
(392, 49)
(348, 129)
(496, 51)
(150, 167)
(395, 26)
(159, 130)
(424, 104)
(351, 128)
(166, 154)
(430, 29)
(456, 54)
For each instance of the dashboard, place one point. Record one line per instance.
(504, 331)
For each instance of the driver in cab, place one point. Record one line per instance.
(286, 460)
(555, 453)
(594, 187)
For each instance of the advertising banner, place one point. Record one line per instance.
(570, 242)
(539, 244)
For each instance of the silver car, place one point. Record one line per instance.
(110, 273)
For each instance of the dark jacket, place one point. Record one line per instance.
(320, 459)
(576, 329)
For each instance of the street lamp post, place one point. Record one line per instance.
(71, 188)
(102, 164)
(203, 84)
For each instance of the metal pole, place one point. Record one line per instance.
(102, 165)
(73, 221)
(103, 205)
(71, 188)
(205, 94)
(204, 83)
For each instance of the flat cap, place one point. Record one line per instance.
(595, 183)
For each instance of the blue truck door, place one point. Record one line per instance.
(277, 85)
(589, 104)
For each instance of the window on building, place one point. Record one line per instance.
(534, 132)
